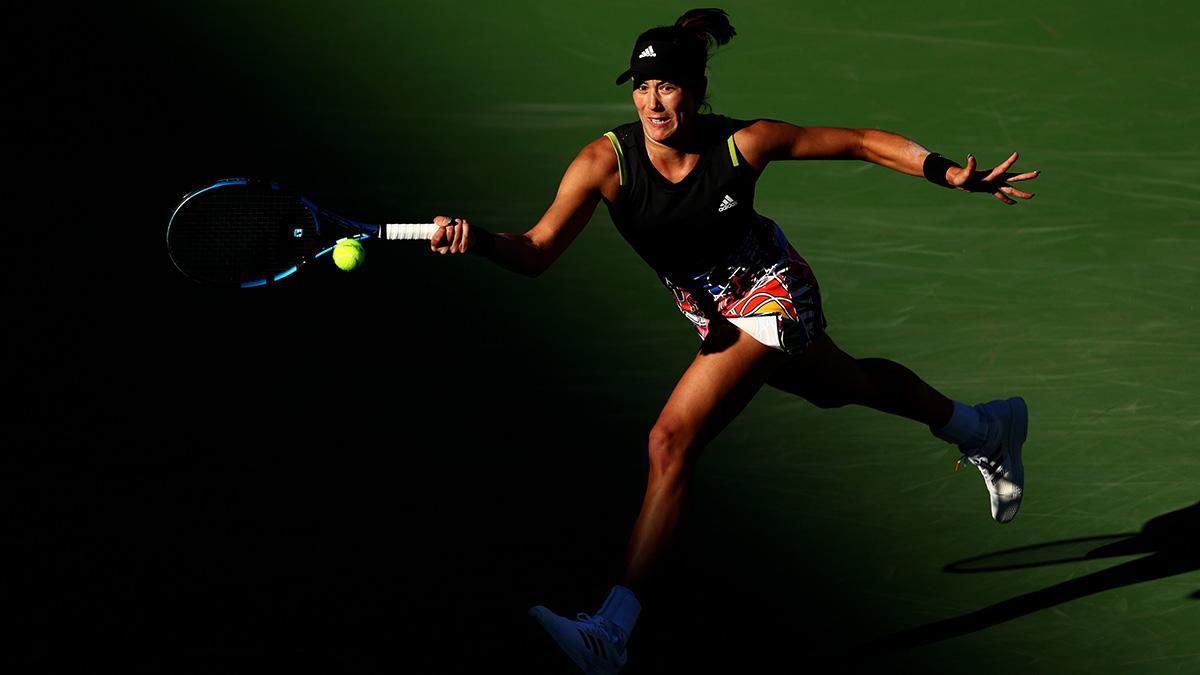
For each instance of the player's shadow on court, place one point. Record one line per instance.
(1168, 545)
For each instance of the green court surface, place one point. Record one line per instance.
(501, 459)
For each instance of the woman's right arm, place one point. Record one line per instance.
(590, 176)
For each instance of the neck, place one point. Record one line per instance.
(682, 142)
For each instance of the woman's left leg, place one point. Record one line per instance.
(830, 378)
(989, 435)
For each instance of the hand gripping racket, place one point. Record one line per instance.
(241, 232)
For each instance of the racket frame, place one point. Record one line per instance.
(354, 229)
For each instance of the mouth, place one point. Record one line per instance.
(658, 121)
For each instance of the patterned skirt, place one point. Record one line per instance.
(764, 288)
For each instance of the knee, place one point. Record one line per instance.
(669, 448)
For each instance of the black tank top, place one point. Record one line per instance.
(687, 227)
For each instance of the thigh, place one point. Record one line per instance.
(729, 369)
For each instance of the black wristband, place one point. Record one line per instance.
(935, 167)
(482, 241)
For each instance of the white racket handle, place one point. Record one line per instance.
(407, 231)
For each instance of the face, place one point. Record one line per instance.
(664, 107)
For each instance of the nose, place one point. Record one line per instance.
(655, 102)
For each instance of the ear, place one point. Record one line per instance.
(702, 91)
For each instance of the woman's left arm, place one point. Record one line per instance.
(770, 140)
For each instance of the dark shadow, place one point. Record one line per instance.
(721, 336)
(1038, 555)
(1168, 544)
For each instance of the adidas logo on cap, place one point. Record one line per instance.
(727, 203)
(647, 52)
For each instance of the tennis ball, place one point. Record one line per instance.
(349, 254)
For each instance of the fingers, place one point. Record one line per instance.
(460, 236)
(963, 175)
(1014, 192)
(1021, 176)
(452, 235)
(1002, 168)
(1003, 192)
(439, 243)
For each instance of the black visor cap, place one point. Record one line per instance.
(664, 60)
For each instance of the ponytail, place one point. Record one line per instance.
(710, 25)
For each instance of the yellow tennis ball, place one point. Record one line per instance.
(349, 254)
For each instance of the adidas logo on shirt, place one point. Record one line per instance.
(647, 52)
(727, 203)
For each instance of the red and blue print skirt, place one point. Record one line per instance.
(764, 288)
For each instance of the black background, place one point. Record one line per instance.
(204, 481)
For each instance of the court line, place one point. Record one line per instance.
(1001, 47)
(885, 247)
(1161, 658)
(555, 107)
(1008, 140)
(575, 52)
(1047, 27)
(872, 263)
(1143, 385)
(1053, 228)
(1154, 198)
(1187, 154)
(1147, 180)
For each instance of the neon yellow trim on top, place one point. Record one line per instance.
(732, 152)
(612, 138)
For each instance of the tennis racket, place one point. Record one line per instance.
(241, 232)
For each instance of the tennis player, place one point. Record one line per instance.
(679, 186)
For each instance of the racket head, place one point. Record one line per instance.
(243, 232)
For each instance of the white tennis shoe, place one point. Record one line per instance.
(999, 460)
(594, 643)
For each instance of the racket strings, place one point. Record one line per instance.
(239, 233)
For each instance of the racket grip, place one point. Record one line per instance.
(393, 231)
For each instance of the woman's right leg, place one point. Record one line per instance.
(730, 368)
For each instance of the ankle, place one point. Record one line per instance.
(967, 428)
(621, 608)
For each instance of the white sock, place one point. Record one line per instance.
(967, 428)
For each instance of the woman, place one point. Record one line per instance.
(679, 186)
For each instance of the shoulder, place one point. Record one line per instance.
(595, 169)
(598, 156)
(763, 130)
(762, 139)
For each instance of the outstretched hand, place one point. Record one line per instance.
(996, 181)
